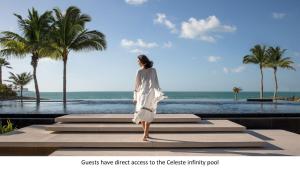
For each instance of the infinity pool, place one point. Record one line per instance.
(167, 106)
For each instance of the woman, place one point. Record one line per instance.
(146, 94)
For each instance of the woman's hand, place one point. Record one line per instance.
(134, 101)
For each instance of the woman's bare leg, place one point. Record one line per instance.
(144, 128)
(147, 127)
(143, 124)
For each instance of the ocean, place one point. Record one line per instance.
(177, 102)
(170, 94)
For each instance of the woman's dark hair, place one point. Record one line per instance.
(145, 61)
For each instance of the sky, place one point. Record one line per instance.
(196, 45)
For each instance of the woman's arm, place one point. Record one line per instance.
(136, 85)
(155, 79)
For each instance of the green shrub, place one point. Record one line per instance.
(6, 92)
(6, 128)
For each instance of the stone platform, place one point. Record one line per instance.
(200, 126)
(109, 134)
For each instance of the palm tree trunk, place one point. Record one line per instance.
(34, 63)
(261, 83)
(65, 58)
(65, 83)
(37, 91)
(235, 96)
(276, 84)
(21, 93)
(0, 74)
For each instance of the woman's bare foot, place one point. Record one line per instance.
(145, 139)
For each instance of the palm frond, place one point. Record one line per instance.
(276, 59)
(69, 32)
(258, 56)
(249, 59)
(237, 89)
(51, 51)
(12, 47)
(7, 35)
(4, 63)
(20, 79)
(89, 40)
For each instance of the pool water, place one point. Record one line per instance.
(193, 106)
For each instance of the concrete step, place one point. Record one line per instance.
(125, 118)
(202, 126)
(278, 143)
(36, 136)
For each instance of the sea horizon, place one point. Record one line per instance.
(163, 91)
(214, 95)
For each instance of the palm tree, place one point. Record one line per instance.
(20, 80)
(34, 40)
(3, 63)
(236, 91)
(275, 61)
(258, 56)
(69, 34)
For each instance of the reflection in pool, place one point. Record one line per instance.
(167, 106)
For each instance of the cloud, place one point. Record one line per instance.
(168, 44)
(138, 46)
(204, 29)
(226, 70)
(135, 2)
(137, 51)
(277, 15)
(238, 69)
(139, 43)
(214, 58)
(161, 19)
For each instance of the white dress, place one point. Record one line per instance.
(147, 94)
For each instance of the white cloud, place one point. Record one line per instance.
(226, 70)
(161, 18)
(137, 51)
(168, 44)
(138, 46)
(139, 43)
(204, 29)
(214, 58)
(238, 69)
(135, 2)
(277, 15)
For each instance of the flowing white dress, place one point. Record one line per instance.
(147, 94)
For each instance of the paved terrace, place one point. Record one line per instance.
(171, 134)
